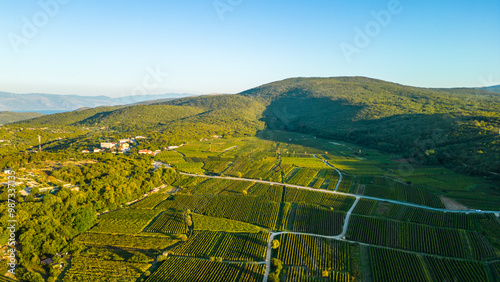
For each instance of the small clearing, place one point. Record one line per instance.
(449, 204)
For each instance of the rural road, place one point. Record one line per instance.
(341, 193)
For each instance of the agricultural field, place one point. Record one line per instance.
(391, 265)
(314, 253)
(317, 220)
(150, 202)
(407, 236)
(170, 157)
(335, 201)
(89, 269)
(127, 241)
(417, 215)
(269, 192)
(209, 223)
(228, 246)
(168, 222)
(264, 213)
(189, 270)
(299, 274)
(233, 220)
(125, 221)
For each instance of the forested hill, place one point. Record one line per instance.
(455, 127)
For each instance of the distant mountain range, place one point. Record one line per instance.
(36, 102)
(495, 88)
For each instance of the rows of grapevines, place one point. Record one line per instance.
(183, 202)
(229, 246)
(269, 192)
(215, 166)
(212, 186)
(318, 220)
(303, 176)
(92, 269)
(168, 222)
(248, 209)
(125, 221)
(315, 253)
(408, 236)
(301, 274)
(365, 207)
(481, 248)
(170, 157)
(335, 201)
(495, 269)
(443, 269)
(125, 241)
(306, 161)
(386, 188)
(196, 270)
(150, 201)
(195, 168)
(187, 181)
(236, 188)
(345, 184)
(435, 218)
(392, 265)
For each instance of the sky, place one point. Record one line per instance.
(120, 48)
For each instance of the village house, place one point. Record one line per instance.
(108, 145)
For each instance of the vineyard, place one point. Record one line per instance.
(387, 188)
(203, 222)
(194, 168)
(301, 176)
(269, 192)
(301, 274)
(325, 179)
(391, 265)
(345, 185)
(416, 215)
(170, 157)
(247, 209)
(124, 221)
(315, 219)
(264, 213)
(443, 269)
(187, 181)
(335, 201)
(168, 222)
(197, 270)
(229, 246)
(126, 241)
(314, 253)
(418, 238)
(495, 269)
(89, 269)
(150, 202)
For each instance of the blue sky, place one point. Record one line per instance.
(118, 48)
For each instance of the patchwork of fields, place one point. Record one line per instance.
(213, 229)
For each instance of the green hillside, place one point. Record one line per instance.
(457, 127)
(8, 117)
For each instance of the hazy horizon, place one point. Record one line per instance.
(118, 49)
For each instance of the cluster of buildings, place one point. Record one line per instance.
(122, 146)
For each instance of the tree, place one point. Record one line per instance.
(275, 244)
(273, 277)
